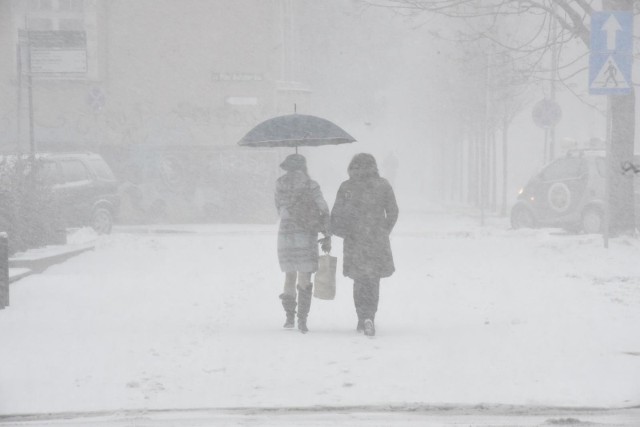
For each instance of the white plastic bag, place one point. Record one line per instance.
(324, 286)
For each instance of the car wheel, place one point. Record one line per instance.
(522, 217)
(102, 221)
(592, 220)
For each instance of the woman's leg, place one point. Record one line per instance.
(304, 299)
(288, 298)
(304, 279)
(290, 283)
(358, 303)
(366, 293)
(374, 289)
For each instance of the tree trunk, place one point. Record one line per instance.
(494, 172)
(505, 165)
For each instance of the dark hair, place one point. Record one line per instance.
(363, 165)
(294, 162)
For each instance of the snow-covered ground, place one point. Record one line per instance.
(190, 318)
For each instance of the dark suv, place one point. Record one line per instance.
(84, 186)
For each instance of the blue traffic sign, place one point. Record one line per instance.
(611, 31)
(611, 59)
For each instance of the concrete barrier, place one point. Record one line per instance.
(4, 270)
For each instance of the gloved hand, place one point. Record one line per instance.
(325, 244)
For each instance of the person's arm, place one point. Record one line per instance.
(319, 200)
(338, 214)
(279, 198)
(390, 208)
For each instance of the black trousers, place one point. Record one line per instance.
(366, 294)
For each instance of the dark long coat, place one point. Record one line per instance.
(364, 213)
(297, 247)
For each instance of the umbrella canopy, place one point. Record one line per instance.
(295, 130)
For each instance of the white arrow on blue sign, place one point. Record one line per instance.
(611, 59)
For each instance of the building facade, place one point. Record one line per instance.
(95, 72)
(163, 89)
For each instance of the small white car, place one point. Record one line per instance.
(568, 193)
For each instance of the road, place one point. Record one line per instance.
(353, 417)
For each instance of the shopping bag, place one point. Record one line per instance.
(324, 286)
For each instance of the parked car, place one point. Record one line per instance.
(567, 193)
(84, 186)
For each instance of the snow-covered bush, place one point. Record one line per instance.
(28, 211)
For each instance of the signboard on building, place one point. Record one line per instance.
(236, 77)
(57, 52)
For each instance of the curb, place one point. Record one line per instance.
(37, 261)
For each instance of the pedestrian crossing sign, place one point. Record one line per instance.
(611, 59)
(608, 76)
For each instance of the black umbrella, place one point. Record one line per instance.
(295, 130)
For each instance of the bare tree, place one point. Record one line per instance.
(553, 27)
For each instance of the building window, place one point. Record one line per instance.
(41, 5)
(56, 15)
(56, 5)
(41, 24)
(67, 24)
(70, 5)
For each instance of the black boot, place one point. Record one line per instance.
(289, 305)
(360, 326)
(304, 305)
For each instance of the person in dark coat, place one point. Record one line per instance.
(297, 245)
(364, 214)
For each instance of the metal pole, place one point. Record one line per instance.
(32, 142)
(552, 89)
(505, 165)
(19, 117)
(4, 270)
(607, 176)
(545, 158)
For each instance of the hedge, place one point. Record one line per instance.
(28, 211)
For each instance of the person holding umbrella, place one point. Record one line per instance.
(364, 214)
(303, 213)
(298, 233)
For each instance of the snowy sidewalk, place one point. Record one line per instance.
(472, 316)
(37, 260)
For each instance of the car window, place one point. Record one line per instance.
(74, 170)
(48, 173)
(101, 169)
(563, 169)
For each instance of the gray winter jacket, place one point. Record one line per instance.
(297, 247)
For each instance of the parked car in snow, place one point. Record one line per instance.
(569, 193)
(84, 186)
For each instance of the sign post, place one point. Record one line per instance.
(4, 270)
(546, 114)
(610, 65)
